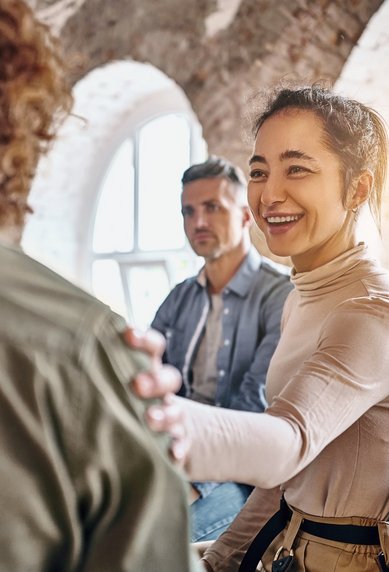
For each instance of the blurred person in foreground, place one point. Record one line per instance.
(84, 484)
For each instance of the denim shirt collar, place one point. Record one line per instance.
(241, 282)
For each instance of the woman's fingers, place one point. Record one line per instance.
(151, 341)
(161, 381)
(168, 417)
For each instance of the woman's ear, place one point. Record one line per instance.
(360, 189)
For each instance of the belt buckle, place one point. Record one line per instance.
(282, 563)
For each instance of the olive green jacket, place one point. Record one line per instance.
(84, 485)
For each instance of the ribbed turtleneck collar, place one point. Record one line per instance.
(349, 266)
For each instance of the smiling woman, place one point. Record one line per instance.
(323, 441)
(308, 179)
(296, 189)
(317, 159)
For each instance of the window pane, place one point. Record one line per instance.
(148, 286)
(163, 156)
(107, 285)
(114, 227)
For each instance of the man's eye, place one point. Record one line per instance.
(186, 212)
(213, 207)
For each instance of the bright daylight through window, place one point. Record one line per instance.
(139, 248)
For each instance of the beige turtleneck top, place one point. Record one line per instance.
(325, 436)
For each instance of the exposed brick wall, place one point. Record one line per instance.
(222, 51)
(110, 103)
(219, 51)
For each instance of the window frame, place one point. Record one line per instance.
(137, 257)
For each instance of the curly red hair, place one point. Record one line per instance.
(35, 97)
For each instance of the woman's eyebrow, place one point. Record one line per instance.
(288, 154)
(257, 159)
(294, 154)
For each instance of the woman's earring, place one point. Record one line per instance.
(355, 210)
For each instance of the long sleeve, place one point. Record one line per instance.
(341, 381)
(123, 477)
(223, 443)
(226, 553)
(85, 483)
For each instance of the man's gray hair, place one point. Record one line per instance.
(216, 167)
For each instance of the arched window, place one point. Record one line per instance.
(107, 198)
(138, 246)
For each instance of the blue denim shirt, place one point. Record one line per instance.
(252, 305)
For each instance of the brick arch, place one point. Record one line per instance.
(111, 102)
(221, 51)
(218, 51)
(363, 77)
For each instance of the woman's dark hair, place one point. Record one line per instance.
(354, 132)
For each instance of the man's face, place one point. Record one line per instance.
(214, 222)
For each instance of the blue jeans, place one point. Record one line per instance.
(212, 514)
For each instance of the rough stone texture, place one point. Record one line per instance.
(221, 52)
(219, 65)
(110, 103)
(364, 78)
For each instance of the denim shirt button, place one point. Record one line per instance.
(226, 342)
(221, 373)
(226, 311)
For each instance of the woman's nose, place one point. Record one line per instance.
(273, 192)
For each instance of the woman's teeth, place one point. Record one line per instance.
(278, 219)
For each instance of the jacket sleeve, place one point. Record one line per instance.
(124, 478)
(251, 395)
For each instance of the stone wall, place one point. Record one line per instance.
(221, 52)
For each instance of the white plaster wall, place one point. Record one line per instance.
(365, 77)
(110, 103)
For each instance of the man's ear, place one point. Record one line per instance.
(360, 189)
(247, 216)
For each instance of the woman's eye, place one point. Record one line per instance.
(296, 170)
(257, 174)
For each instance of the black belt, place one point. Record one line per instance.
(347, 533)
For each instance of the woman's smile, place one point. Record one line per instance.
(280, 223)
